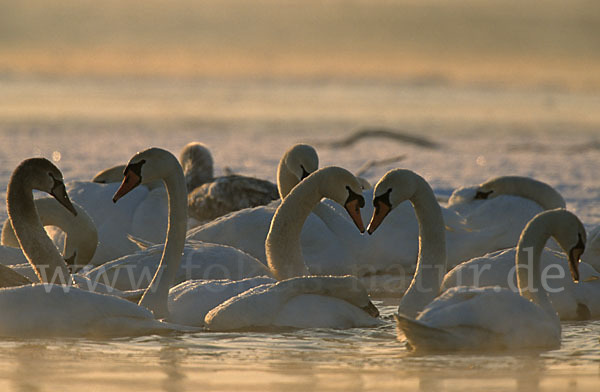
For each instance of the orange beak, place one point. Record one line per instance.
(130, 181)
(353, 208)
(381, 211)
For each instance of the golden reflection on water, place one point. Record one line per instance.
(355, 360)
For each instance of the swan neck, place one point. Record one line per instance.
(156, 296)
(543, 194)
(39, 250)
(528, 263)
(283, 249)
(431, 261)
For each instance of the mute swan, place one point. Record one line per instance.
(80, 231)
(298, 300)
(473, 318)
(157, 164)
(56, 310)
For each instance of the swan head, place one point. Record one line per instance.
(197, 163)
(395, 187)
(42, 175)
(150, 165)
(301, 160)
(345, 189)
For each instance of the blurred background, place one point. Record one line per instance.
(549, 43)
(417, 64)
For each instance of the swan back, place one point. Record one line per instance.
(110, 175)
(295, 165)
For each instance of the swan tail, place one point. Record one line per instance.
(423, 337)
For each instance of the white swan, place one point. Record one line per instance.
(157, 164)
(298, 300)
(58, 310)
(474, 318)
(81, 236)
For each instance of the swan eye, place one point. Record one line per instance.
(481, 195)
(384, 198)
(355, 196)
(304, 173)
(136, 168)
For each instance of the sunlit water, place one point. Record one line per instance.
(86, 126)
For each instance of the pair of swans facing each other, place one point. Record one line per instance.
(48, 309)
(476, 318)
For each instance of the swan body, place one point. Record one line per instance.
(191, 300)
(198, 261)
(48, 309)
(211, 197)
(223, 195)
(308, 302)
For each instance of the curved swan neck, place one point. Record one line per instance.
(541, 193)
(283, 249)
(156, 296)
(528, 261)
(40, 251)
(431, 262)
